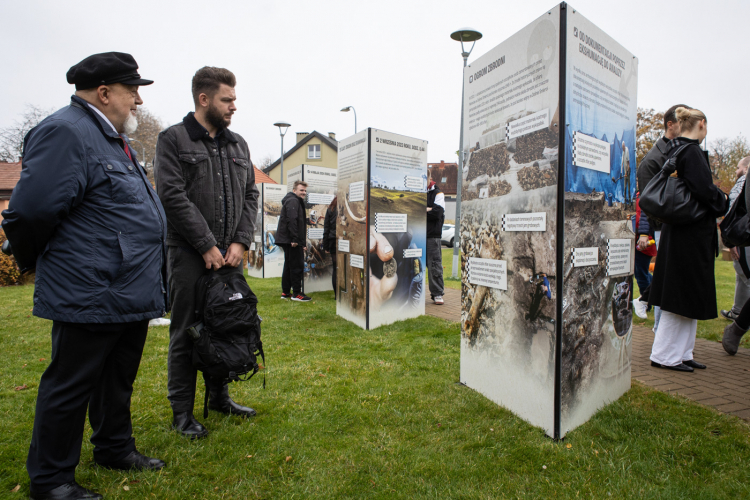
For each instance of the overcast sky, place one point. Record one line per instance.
(394, 61)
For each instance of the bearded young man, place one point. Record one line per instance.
(205, 180)
(86, 218)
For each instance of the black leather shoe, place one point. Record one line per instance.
(134, 460)
(694, 364)
(219, 400)
(682, 367)
(67, 491)
(188, 426)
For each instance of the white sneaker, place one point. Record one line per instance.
(640, 308)
(438, 299)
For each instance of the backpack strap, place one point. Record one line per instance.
(671, 164)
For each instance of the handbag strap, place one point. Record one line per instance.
(670, 165)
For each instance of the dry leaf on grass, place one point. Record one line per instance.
(21, 387)
(18, 487)
(288, 458)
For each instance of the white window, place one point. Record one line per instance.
(313, 151)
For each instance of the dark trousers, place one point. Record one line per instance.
(92, 366)
(435, 266)
(640, 266)
(184, 267)
(294, 260)
(333, 273)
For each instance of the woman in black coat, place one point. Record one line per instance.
(683, 284)
(329, 239)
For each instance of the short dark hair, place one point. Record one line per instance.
(208, 79)
(669, 115)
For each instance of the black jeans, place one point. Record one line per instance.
(184, 267)
(94, 366)
(294, 260)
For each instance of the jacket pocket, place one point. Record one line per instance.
(194, 165)
(126, 185)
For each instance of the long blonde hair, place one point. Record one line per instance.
(688, 118)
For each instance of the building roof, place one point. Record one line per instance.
(447, 171)
(332, 143)
(10, 173)
(261, 177)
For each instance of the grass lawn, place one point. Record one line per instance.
(354, 414)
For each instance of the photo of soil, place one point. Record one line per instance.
(534, 178)
(531, 146)
(491, 161)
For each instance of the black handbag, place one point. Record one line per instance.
(735, 231)
(667, 199)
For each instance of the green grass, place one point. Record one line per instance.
(712, 329)
(349, 413)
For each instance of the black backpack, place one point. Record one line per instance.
(226, 337)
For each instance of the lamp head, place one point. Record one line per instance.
(348, 108)
(466, 35)
(281, 125)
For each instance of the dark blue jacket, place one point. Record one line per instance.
(87, 218)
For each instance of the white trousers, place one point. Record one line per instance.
(674, 340)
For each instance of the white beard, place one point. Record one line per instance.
(130, 125)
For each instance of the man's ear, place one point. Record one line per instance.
(203, 100)
(103, 93)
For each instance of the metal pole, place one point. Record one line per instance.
(355, 119)
(281, 175)
(460, 173)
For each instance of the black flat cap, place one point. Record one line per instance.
(105, 69)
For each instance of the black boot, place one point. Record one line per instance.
(186, 424)
(219, 400)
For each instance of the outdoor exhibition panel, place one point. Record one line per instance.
(545, 237)
(321, 188)
(265, 257)
(381, 228)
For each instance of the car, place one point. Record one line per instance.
(447, 237)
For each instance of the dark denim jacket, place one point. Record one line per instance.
(190, 172)
(87, 218)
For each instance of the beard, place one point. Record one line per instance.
(216, 119)
(130, 125)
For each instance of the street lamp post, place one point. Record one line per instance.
(285, 126)
(346, 109)
(462, 35)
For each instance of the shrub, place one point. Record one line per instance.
(9, 273)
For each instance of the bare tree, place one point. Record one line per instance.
(11, 138)
(144, 138)
(265, 162)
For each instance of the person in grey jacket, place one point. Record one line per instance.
(206, 181)
(742, 283)
(85, 216)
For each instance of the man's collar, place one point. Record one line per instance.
(102, 120)
(196, 131)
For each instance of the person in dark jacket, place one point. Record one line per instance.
(650, 165)
(645, 250)
(291, 236)
(683, 284)
(206, 181)
(741, 282)
(435, 218)
(329, 239)
(85, 216)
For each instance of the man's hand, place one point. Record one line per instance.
(429, 209)
(234, 254)
(213, 259)
(642, 243)
(294, 244)
(735, 253)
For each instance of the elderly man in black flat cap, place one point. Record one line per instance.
(86, 218)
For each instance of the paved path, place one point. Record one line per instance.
(724, 385)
